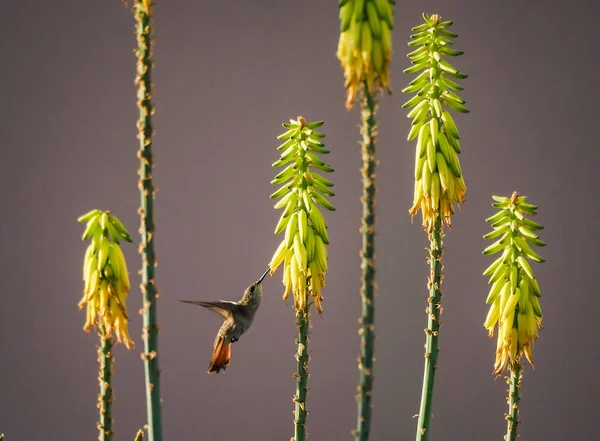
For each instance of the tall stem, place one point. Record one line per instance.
(367, 291)
(302, 321)
(434, 311)
(512, 420)
(105, 360)
(143, 15)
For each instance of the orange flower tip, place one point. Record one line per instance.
(301, 121)
(436, 19)
(514, 198)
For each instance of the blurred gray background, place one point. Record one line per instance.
(227, 75)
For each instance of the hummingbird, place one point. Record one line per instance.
(238, 316)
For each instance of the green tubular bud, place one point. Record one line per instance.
(527, 232)
(419, 161)
(455, 143)
(536, 242)
(357, 13)
(88, 216)
(500, 273)
(443, 41)
(103, 221)
(318, 222)
(287, 134)
(321, 179)
(418, 53)
(309, 244)
(452, 85)
(281, 191)
(437, 106)
(103, 252)
(373, 18)
(514, 276)
(456, 106)
(490, 269)
(384, 10)
(435, 190)
(414, 131)
(528, 223)
(291, 229)
(417, 67)
(120, 228)
(302, 225)
(318, 149)
(426, 179)
(535, 304)
(421, 27)
(282, 177)
(420, 118)
(89, 252)
(91, 227)
(527, 208)
(419, 41)
(314, 124)
(284, 201)
(444, 146)
(525, 266)
(448, 34)
(422, 140)
(455, 164)
(412, 102)
(322, 189)
(511, 303)
(289, 153)
(526, 249)
(445, 175)
(322, 201)
(283, 222)
(448, 95)
(322, 166)
(366, 42)
(281, 162)
(495, 291)
(299, 251)
(314, 159)
(524, 298)
(112, 231)
(445, 50)
(377, 56)
(449, 124)
(321, 253)
(447, 67)
(501, 199)
(278, 256)
(386, 37)
(495, 233)
(413, 87)
(423, 76)
(431, 156)
(434, 128)
(494, 248)
(418, 108)
(287, 144)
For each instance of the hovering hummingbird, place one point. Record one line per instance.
(238, 318)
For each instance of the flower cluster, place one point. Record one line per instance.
(106, 276)
(303, 250)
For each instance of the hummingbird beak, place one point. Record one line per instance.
(263, 276)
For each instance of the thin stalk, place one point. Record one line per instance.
(367, 290)
(300, 412)
(105, 398)
(143, 16)
(512, 419)
(434, 311)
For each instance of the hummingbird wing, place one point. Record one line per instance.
(223, 308)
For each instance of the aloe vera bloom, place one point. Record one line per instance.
(365, 44)
(303, 249)
(439, 180)
(105, 276)
(514, 291)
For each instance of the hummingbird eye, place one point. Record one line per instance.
(252, 288)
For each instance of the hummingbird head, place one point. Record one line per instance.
(254, 291)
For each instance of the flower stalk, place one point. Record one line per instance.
(143, 30)
(106, 287)
(365, 53)
(105, 360)
(512, 419)
(514, 293)
(303, 250)
(439, 182)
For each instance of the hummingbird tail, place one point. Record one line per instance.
(221, 357)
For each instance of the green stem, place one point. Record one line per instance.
(367, 291)
(512, 419)
(300, 412)
(434, 311)
(105, 360)
(143, 15)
